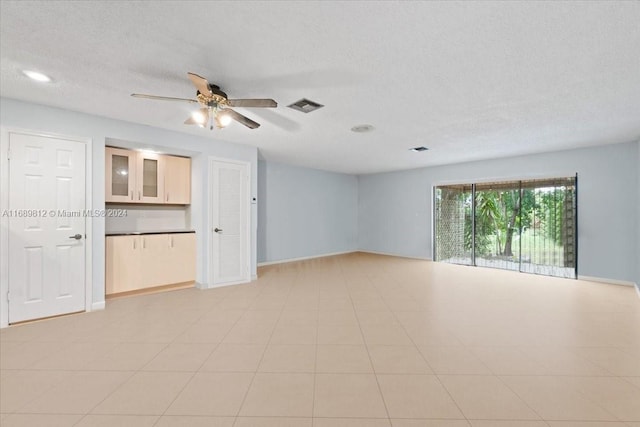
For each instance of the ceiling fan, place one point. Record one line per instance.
(215, 105)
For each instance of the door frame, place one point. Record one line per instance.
(247, 221)
(5, 133)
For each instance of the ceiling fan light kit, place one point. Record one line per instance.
(215, 105)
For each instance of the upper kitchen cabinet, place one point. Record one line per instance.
(150, 178)
(177, 180)
(120, 175)
(141, 177)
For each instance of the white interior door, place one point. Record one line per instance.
(230, 222)
(46, 227)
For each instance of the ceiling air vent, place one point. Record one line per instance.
(305, 105)
(418, 149)
(362, 128)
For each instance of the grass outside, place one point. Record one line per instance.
(537, 248)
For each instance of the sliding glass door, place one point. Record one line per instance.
(548, 241)
(454, 222)
(497, 222)
(527, 226)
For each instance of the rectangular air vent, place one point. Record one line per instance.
(305, 105)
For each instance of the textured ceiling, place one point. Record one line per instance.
(469, 80)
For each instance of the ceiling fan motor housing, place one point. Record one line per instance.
(217, 97)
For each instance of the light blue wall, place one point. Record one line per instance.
(394, 211)
(305, 212)
(33, 117)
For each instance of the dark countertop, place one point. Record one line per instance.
(138, 233)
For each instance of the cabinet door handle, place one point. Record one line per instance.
(144, 244)
(139, 195)
(167, 197)
(171, 241)
(134, 243)
(131, 194)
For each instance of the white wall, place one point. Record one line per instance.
(394, 211)
(305, 212)
(638, 220)
(148, 218)
(27, 116)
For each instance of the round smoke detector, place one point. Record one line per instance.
(362, 128)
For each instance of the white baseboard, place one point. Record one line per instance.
(254, 277)
(395, 255)
(98, 306)
(205, 286)
(636, 286)
(604, 280)
(282, 261)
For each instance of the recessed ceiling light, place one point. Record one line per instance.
(362, 128)
(35, 75)
(418, 149)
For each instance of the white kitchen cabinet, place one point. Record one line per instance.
(149, 260)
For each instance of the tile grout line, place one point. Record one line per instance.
(425, 359)
(194, 373)
(315, 364)
(384, 402)
(494, 374)
(255, 373)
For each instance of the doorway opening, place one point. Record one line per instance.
(528, 225)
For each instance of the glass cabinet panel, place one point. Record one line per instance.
(150, 178)
(119, 175)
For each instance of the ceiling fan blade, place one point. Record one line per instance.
(258, 103)
(162, 98)
(200, 83)
(241, 119)
(192, 120)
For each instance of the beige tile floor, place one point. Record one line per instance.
(351, 341)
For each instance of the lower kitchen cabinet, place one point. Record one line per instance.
(123, 272)
(135, 262)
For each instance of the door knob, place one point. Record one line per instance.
(217, 230)
(76, 236)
